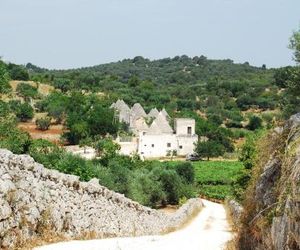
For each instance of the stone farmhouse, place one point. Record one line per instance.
(153, 137)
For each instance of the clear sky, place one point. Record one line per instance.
(76, 33)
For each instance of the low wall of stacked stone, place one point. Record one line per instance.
(32, 197)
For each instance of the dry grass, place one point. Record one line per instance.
(251, 233)
(43, 89)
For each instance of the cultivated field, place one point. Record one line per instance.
(215, 179)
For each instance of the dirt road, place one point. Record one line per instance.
(208, 231)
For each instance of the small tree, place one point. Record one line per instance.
(24, 112)
(85, 142)
(27, 91)
(209, 149)
(43, 123)
(186, 171)
(172, 153)
(4, 79)
(107, 149)
(254, 123)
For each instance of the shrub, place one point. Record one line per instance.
(45, 152)
(186, 171)
(43, 123)
(145, 190)
(27, 91)
(11, 137)
(171, 183)
(4, 79)
(18, 72)
(255, 122)
(248, 152)
(24, 112)
(209, 149)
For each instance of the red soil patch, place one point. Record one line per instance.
(53, 134)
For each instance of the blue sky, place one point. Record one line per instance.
(76, 33)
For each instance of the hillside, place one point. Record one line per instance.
(180, 82)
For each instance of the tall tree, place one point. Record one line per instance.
(4, 78)
(295, 45)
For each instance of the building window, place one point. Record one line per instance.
(145, 145)
(180, 147)
(168, 144)
(152, 145)
(189, 130)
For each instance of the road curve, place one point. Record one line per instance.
(208, 231)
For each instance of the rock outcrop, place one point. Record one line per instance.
(235, 211)
(33, 197)
(272, 209)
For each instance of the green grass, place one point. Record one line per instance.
(215, 179)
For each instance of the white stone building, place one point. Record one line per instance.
(153, 137)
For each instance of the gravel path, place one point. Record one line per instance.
(208, 231)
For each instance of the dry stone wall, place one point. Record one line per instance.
(32, 196)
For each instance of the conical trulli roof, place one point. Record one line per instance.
(138, 111)
(140, 125)
(154, 129)
(119, 105)
(165, 113)
(153, 113)
(162, 123)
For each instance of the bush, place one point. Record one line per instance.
(18, 72)
(145, 190)
(4, 79)
(45, 152)
(255, 122)
(209, 149)
(186, 171)
(11, 137)
(43, 123)
(171, 183)
(24, 112)
(27, 91)
(248, 152)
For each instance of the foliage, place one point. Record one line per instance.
(209, 149)
(18, 72)
(11, 137)
(171, 183)
(107, 149)
(289, 78)
(26, 91)
(88, 116)
(146, 189)
(255, 122)
(23, 111)
(217, 179)
(43, 123)
(186, 171)
(218, 84)
(295, 45)
(55, 104)
(45, 152)
(4, 79)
